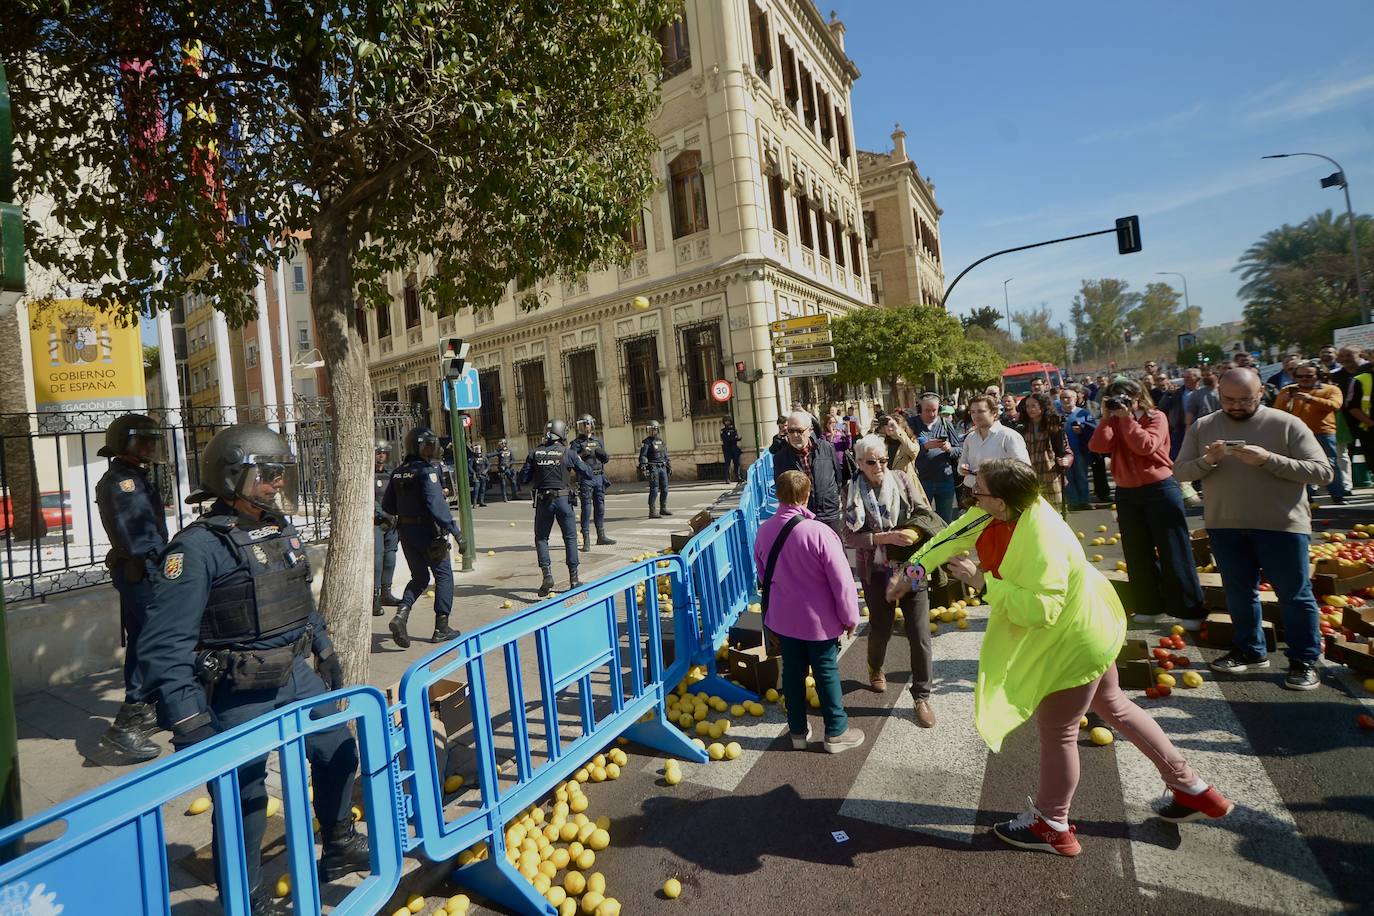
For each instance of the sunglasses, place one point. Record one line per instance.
(1305, 375)
(875, 461)
(791, 430)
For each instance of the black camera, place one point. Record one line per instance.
(1117, 402)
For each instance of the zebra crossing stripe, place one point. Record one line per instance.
(929, 780)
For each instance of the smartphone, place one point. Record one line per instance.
(1233, 444)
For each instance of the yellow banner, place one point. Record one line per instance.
(83, 360)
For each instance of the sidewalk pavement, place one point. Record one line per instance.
(59, 726)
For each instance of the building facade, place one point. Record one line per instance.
(756, 217)
(902, 227)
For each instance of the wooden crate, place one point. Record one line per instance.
(1219, 632)
(1357, 656)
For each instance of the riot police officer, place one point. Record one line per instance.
(385, 538)
(593, 489)
(416, 496)
(505, 467)
(546, 471)
(655, 465)
(478, 468)
(131, 510)
(229, 628)
(729, 446)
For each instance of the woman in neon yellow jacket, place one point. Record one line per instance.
(1055, 626)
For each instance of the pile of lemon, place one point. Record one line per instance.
(956, 613)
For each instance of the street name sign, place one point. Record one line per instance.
(800, 370)
(808, 354)
(803, 323)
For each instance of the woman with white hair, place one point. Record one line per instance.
(886, 514)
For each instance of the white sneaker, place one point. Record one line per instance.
(1146, 618)
(801, 742)
(1189, 624)
(851, 738)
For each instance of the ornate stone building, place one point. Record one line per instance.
(756, 217)
(902, 226)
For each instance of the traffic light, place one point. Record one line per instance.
(453, 356)
(1127, 335)
(1128, 235)
(741, 373)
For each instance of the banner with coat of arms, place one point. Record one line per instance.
(83, 360)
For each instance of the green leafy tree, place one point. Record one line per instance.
(985, 316)
(484, 142)
(1101, 312)
(997, 338)
(887, 344)
(975, 365)
(1158, 314)
(1035, 323)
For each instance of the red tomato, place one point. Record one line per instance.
(1183, 661)
(1161, 654)
(1178, 642)
(1152, 692)
(1167, 665)
(1165, 642)
(1164, 690)
(1365, 721)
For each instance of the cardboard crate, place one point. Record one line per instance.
(1202, 547)
(1219, 632)
(1358, 620)
(449, 714)
(1133, 665)
(748, 662)
(1355, 655)
(1329, 580)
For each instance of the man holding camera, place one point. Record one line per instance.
(1257, 462)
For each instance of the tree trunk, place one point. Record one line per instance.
(20, 475)
(894, 399)
(346, 595)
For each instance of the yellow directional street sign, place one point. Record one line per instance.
(808, 354)
(804, 339)
(805, 322)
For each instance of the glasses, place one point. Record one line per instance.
(875, 461)
(1239, 402)
(981, 495)
(793, 430)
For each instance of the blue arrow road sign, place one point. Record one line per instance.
(468, 392)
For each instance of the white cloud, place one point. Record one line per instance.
(1310, 101)
(1148, 127)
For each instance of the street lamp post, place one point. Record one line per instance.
(1340, 179)
(1187, 305)
(1005, 305)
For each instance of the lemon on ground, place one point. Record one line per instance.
(962, 624)
(618, 757)
(541, 883)
(559, 859)
(1100, 736)
(1111, 540)
(714, 731)
(590, 901)
(672, 888)
(416, 903)
(453, 783)
(199, 806)
(457, 903)
(568, 908)
(755, 709)
(1192, 679)
(603, 822)
(1101, 527)
(738, 710)
(357, 813)
(578, 804)
(608, 907)
(547, 868)
(612, 771)
(733, 750)
(934, 628)
(1083, 722)
(1097, 558)
(598, 774)
(716, 750)
(1166, 680)
(596, 882)
(568, 832)
(283, 885)
(586, 859)
(701, 745)
(771, 694)
(672, 777)
(574, 882)
(599, 839)
(512, 524)
(556, 895)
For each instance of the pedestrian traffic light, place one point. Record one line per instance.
(1128, 235)
(453, 356)
(741, 373)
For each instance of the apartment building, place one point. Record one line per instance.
(902, 228)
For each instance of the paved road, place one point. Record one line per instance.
(755, 835)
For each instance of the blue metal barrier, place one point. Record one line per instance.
(603, 626)
(720, 563)
(112, 855)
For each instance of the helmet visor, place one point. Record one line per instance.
(271, 482)
(148, 445)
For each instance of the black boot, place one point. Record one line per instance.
(345, 851)
(441, 631)
(388, 599)
(264, 904)
(398, 627)
(653, 513)
(601, 539)
(547, 585)
(663, 510)
(128, 739)
(586, 541)
(377, 603)
(573, 580)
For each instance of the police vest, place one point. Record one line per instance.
(550, 473)
(657, 452)
(587, 447)
(268, 595)
(379, 483)
(410, 495)
(503, 459)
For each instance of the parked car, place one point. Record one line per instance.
(57, 510)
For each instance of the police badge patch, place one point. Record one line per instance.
(173, 565)
(260, 554)
(433, 477)
(127, 485)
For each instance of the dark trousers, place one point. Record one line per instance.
(1152, 519)
(1241, 553)
(823, 657)
(1076, 481)
(941, 494)
(332, 753)
(1102, 490)
(508, 481)
(546, 511)
(384, 544)
(479, 488)
(915, 620)
(593, 495)
(732, 461)
(133, 612)
(415, 544)
(658, 485)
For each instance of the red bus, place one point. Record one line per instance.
(1017, 378)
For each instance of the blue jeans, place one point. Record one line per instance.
(823, 656)
(941, 494)
(1337, 485)
(1152, 519)
(1240, 554)
(1076, 492)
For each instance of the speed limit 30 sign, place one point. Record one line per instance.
(720, 391)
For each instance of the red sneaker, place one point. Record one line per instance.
(1029, 831)
(1184, 807)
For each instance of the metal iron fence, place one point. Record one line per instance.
(50, 459)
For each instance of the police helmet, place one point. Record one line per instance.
(653, 426)
(586, 420)
(422, 438)
(381, 445)
(558, 430)
(251, 462)
(123, 434)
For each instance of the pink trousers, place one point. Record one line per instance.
(1057, 718)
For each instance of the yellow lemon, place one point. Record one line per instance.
(568, 908)
(612, 771)
(1100, 736)
(586, 859)
(733, 750)
(596, 882)
(579, 804)
(1192, 679)
(357, 813)
(416, 903)
(1083, 722)
(590, 901)
(672, 888)
(556, 896)
(453, 783)
(863, 611)
(1111, 540)
(716, 751)
(737, 710)
(599, 839)
(1369, 684)
(574, 882)
(714, 731)
(283, 885)
(771, 694)
(755, 709)
(618, 757)
(701, 745)
(273, 805)
(672, 777)
(1082, 535)
(1101, 527)
(934, 628)
(962, 624)
(640, 302)
(1166, 680)
(598, 774)
(199, 806)
(559, 859)
(1097, 558)
(568, 832)
(608, 907)
(603, 822)
(541, 883)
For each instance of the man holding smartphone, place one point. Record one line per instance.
(940, 446)
(1079, 424)
(1257, 462)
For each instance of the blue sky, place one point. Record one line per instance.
(1040, 120)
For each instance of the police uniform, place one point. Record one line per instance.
(478, 467)
(656, 465)
(729, 445)
(385, 540)
(546, 471)
(592, 489)
(131, 511)
(505, 467)
(231, 623)
(416, 497)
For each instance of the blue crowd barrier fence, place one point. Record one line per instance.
(599, 659)
(598, 652)
(112, 856)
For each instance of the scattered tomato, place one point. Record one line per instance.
(1164, 690)
(1365, 721)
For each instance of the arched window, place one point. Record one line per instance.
(687, 194)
